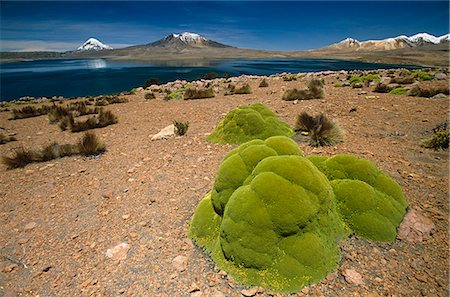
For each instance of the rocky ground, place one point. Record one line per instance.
(61, 220)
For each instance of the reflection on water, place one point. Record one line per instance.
(96, 63)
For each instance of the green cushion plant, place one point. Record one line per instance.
(246, 123)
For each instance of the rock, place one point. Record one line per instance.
(250, 292)
(440, 76)
(165, 133)
(415, 227)
(353, 277)
(119, 252)
(362, 92)
(133, 235)
(23, 240)
(126, 217)
(30, 226)
(180, 263)
(193, 288)
(440, 96)
(196, 294)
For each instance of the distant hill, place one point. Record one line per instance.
(398, 42)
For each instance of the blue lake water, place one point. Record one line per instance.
(83, 77)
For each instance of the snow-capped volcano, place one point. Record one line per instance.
(186, 39)
(93, 44)
(401, 41)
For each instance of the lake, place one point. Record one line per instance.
(84, 77)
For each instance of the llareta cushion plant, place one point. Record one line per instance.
(246, 123)
(271, 219)
(369, 201)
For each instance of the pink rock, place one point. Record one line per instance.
(353, 277)
(415, 227)
(119, 252)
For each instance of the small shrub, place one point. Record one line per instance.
(429, 90)
(440, 140)
(5, 139)
(181, 127)
(399, 91)
(178, 94)
(403, 80)
(21, 158)
(149, 96)
(56, 113)
(263, 83)
(382, 88)
(339, 84)
(192, 93)
(245, 89)
(289, 77)
(422, 75)
(322, 131)
(229, 90)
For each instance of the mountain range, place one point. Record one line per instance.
(398, 42)
(419, 49)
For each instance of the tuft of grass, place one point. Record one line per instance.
(321, 130)
(110, 99)
(89, 145)
(56, 113)
(104, 118)
(399, 91)
(193, 93)
(177, 94)
(149, 96)
(314, 90)
(429, 90)
(5, 139)
(229, 90)
(245, 89)
(439, 140)
(181, 127)
(28, 112)
(263, 83)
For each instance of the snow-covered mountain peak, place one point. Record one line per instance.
(187, 36)
(93, 44)
(424, 37)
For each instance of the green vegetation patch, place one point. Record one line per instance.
(399, 91)
(246, 123)
(370, 202)
(271, 218)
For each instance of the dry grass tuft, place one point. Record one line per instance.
(321, 130)
(193, 93)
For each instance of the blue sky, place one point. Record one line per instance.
(293, 25)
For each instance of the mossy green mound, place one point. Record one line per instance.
(370, 202)
(246, 123)
(271, 219)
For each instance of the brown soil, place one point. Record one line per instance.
(144, 193)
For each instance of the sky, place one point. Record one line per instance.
(271, 25)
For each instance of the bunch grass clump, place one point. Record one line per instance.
(193, 93)
(314, 90)
(245, 89)
(149, 96)
(109, 99)
(28, 112)
(88, 145)
(382, 88)
(321, 130)
(104, 118)
(263, 83)
(180, 128)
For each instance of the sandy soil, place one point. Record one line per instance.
(59, 218)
